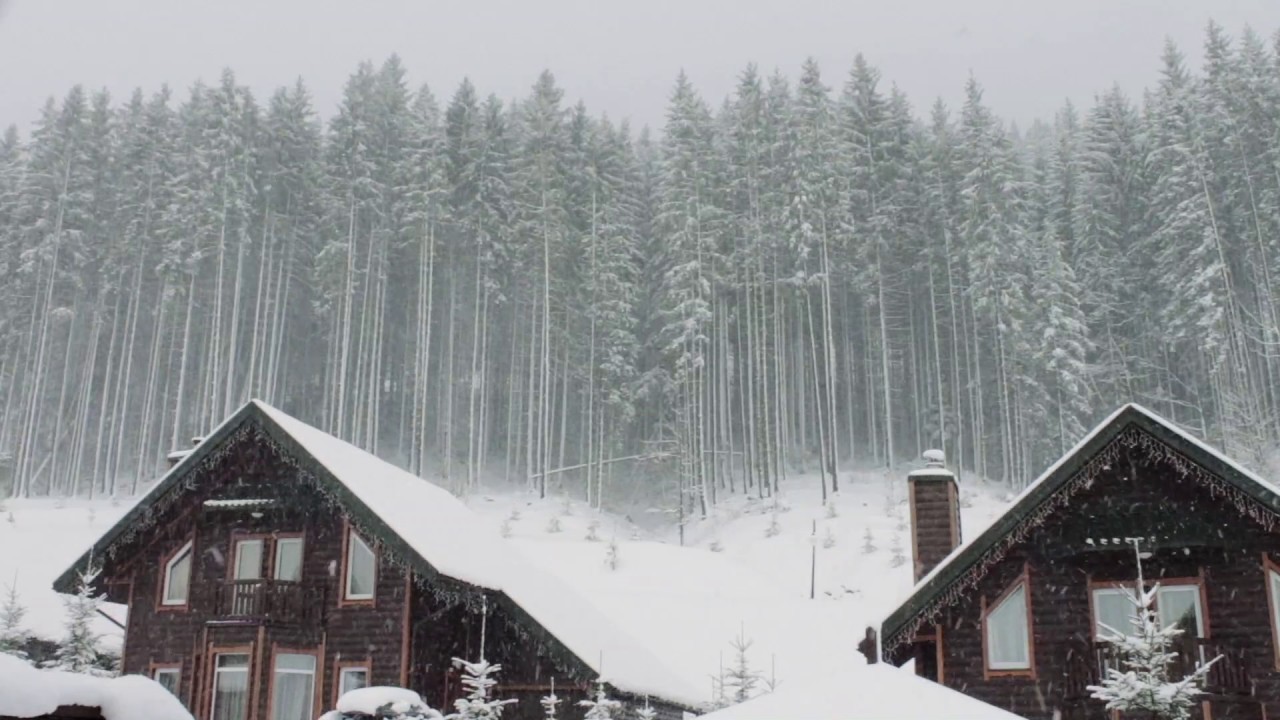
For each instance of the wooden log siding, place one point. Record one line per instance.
(1227, 561)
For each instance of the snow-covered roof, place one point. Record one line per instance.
(873, 692)
(1055, 476)
(26, 692)
(448, 537)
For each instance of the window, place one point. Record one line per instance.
(293, 687)
(1007, 636)
(167, 678)
(248, 564)
(230, 687)
(289, 559)
(352, 678)
(1115, 612)
(177, 577)
(360, 569)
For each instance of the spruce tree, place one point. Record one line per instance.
(78, 651)
(12, 635)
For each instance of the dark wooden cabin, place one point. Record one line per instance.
(1017, 617)
(275, 562)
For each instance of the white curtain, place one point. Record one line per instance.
(1007, 646)
(293, 687)
(231, 688)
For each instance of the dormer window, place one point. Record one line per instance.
(1006, 628)
(177, 577)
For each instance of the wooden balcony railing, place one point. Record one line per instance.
(1229, 676)
(271, 601)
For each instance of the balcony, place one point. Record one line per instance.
(1230, 677)
(274, 602)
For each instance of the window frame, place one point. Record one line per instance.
(1202, 600)
(163, 602)
(340, 666)
(1270, 571)
(275, 555)
(155, 670)
(214, 655)
(317, 677)
(239, 539)
(1023, 582)
(345, 598)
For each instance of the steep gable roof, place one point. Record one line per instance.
(1129, 426)
(435, 534)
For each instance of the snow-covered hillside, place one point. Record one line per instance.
(745, 571)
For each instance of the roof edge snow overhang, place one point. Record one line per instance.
(928, 595)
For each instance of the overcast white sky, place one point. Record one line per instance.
(619, 57)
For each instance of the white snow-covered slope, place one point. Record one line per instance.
(41, 538)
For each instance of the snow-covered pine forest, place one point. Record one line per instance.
(813, 273)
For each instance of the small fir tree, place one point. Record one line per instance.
(828, 539)
(868, 542)
(1142, 683)
(78, 652)
(550, 703)
(611, 557)
(898, 558)
(601, 707)
(12, 636)
(477, 679)
(774, 528)
(740, 679)
(592, 531)
(553, 525)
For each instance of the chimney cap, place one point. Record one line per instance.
(935, 465)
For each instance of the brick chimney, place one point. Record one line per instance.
(177, 456)
(935, 513)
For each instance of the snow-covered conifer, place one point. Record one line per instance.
(78, 651)
(601, 706)
(868, 542)
(1143, 682)
(611, 557)
(12, 635)
(741, 679)
(478, 681)
(897, 558)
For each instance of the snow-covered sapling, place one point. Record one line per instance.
(740, 679)
(601, 706)
(1143, 684)
(646, 712)
(832, 513)
(505, 528)
(828, 539)
(897, 559)
(773, 528)
(716, 546)
(477, 680)
(553, 524)
(611, 557)
(566, 506)
(12, 636)
(592, 530)
(78, 652)
(550, 702)
(868, 542)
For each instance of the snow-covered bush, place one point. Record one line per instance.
(553, 524)
(1143, 682)
(592, 528)
(12, 636)
(868, 542)
(832, 513)
(505, 528)
(773, 528)
(716, 546)
(381, 703)
(78, 651)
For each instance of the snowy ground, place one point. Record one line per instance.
(687, 604)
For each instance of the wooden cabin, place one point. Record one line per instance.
(1018, 616)
(275, 567)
